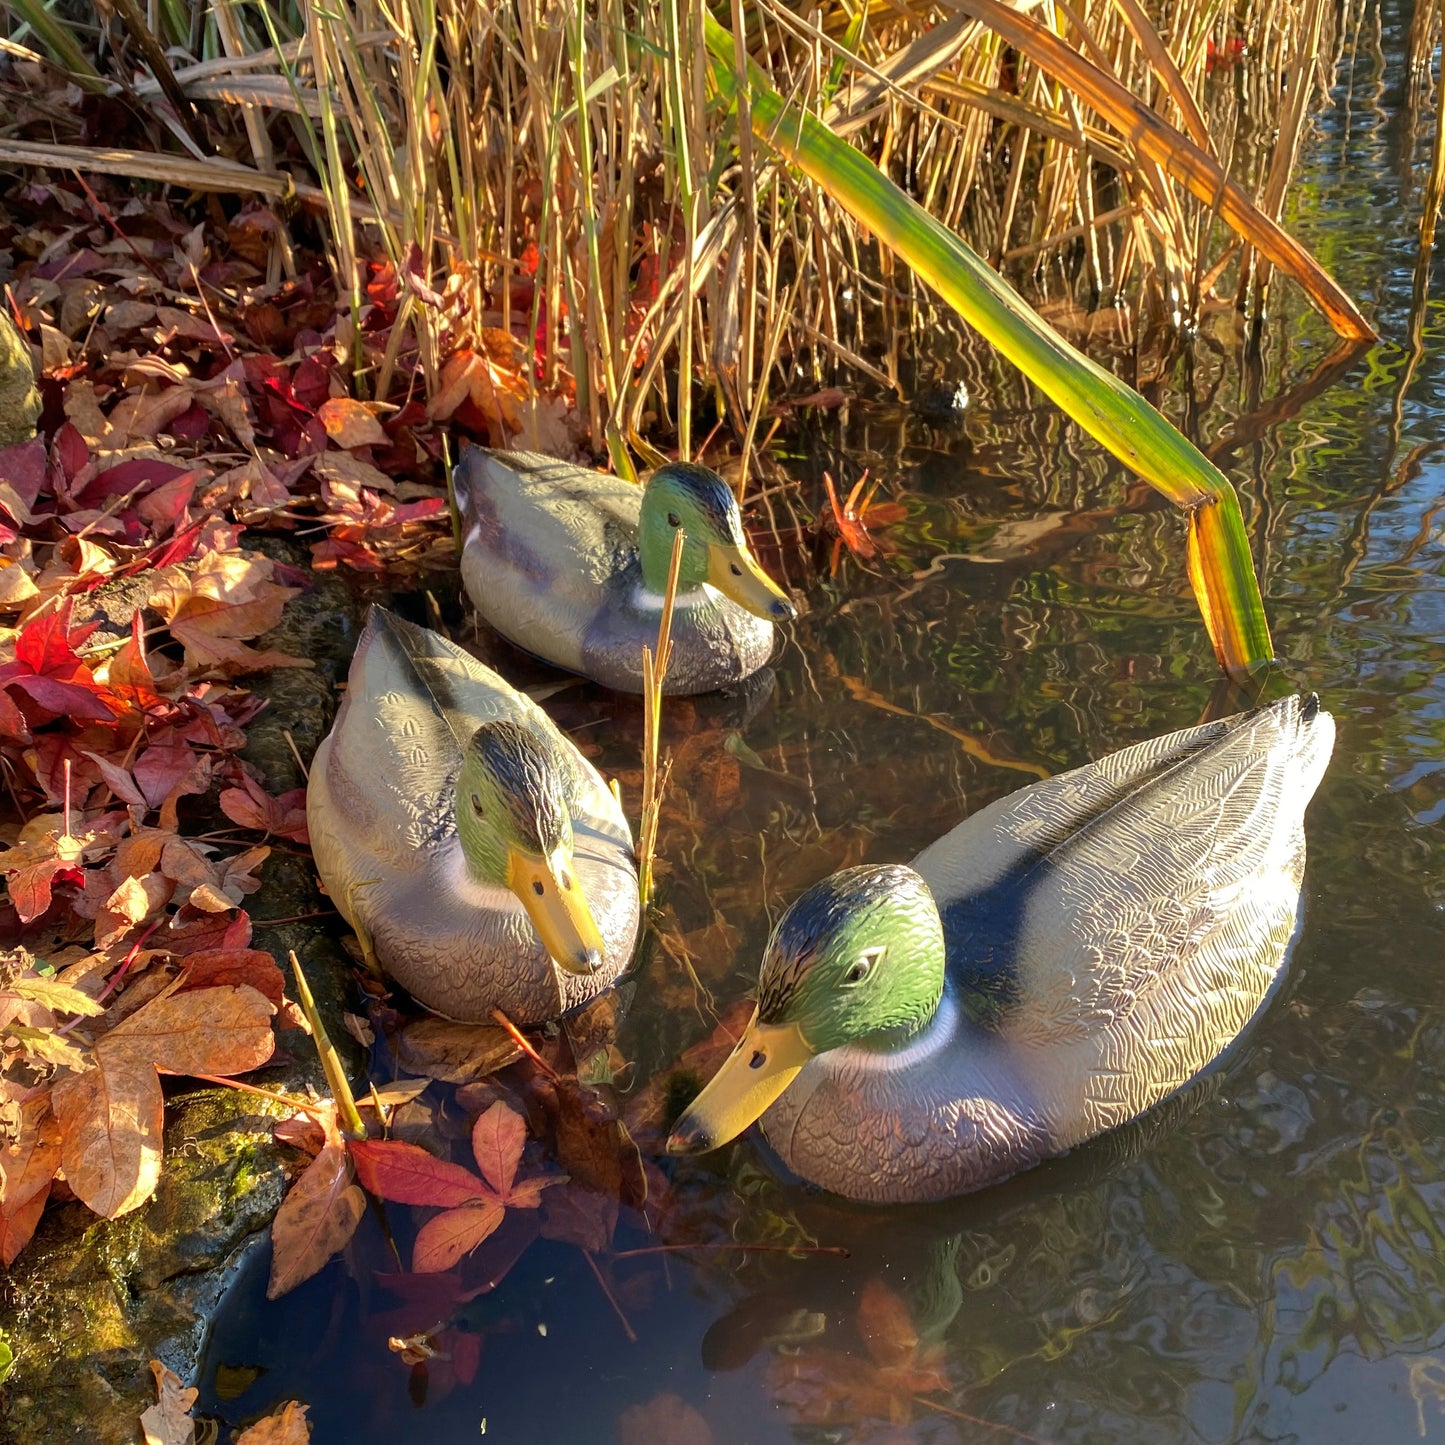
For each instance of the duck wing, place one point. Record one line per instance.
(558, 524)
(413, 699)
(1066, 902)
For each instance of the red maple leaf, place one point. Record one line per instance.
(473, 1205)
(48, 671)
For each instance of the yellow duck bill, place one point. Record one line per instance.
(551, 893)
(738, 575)
(766, 1060)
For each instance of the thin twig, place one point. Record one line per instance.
(836, 1250)
(976, 1420)
(296, 753)
(295, 918)
(521, 1041)
(304, 1106)
(611, 1298)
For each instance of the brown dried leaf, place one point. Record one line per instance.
(110, 1122)
(580, 1216)
(148, 413)
(168, 1422)
(17, 1224)
(316, 1220)
(454, 1053)
(666, 1419)
(343, 468)
(351, 423)
(27, 1167)
(203, 1031)
(288, 1426)
(885, 1325)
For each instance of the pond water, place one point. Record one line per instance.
(1261, 1260)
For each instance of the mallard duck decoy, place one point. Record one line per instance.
(1053, 967)
(571, 565)
(475, 851)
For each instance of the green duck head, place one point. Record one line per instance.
(515, 832)
(698, 501)
(859, 958)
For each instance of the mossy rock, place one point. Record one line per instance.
(19, 399)
(91, 1302)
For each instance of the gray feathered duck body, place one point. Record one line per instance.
(570, 565)
(472, 847)
(1056, 965)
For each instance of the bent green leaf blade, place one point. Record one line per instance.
(1221, 567)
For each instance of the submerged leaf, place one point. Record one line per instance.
(407, 1174)
(497, 1140)
(442, 1241)
(288, 1426)
(316, 1220)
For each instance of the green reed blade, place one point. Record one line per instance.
(1221, 567)
(63, 47)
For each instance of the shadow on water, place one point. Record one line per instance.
(1260, 1259)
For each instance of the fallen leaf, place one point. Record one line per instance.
(350, 423)
(17, 1224)
(666, 1419)
(442, 1241)
(110, 1121)
(885, 1325)
(452, 1052)
(288, 1426)
(27, 1167)
(497, 1140)
(212, 967)
(49, 672)
(168, 1422)
(22, 475)
(342, 468)
(825, 1386)
(316, 1220)
(54, 995)
(407, 1174)
(203, 1031)
(580, 1216)
(251, 806)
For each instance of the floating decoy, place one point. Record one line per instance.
(1056, 965)
(480, 858)
(571, 565)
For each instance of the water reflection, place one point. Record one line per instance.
(1260, 1261)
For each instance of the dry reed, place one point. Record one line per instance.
(564, 171)
(654, 773)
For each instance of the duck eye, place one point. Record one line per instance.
(538, 889)
(736, 570)
(673, 520)
(863, 967)
(476, 805)
(758, 1059)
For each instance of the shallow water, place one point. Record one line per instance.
(1260, 1260)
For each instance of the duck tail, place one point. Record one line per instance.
(1314, 732)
